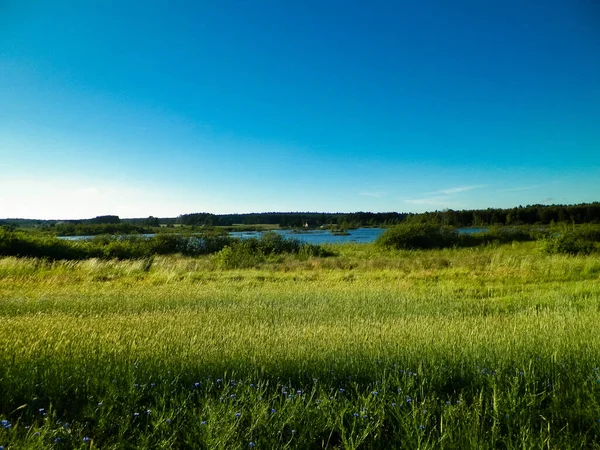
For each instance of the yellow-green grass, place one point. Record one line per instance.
(492, 347)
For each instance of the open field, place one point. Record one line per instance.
(484, 347)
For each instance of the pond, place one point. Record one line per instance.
(358, 235)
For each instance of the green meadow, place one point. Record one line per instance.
(494, 346)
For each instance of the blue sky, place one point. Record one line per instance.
(162, 108)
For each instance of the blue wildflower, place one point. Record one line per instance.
(58, 440)
(5, 424)
(238, 414)
(355, 414)
(86, 439)
(203, 423)
(251, 444)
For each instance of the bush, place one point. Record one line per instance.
(413, 236)
(567, 243)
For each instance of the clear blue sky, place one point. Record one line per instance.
(162, 108)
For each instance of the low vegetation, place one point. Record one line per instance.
(38, 245)
(552, 240)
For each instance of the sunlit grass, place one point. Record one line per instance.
(493, 347)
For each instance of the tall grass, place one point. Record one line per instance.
(485, 347)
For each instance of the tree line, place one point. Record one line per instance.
(521, 215)
(528, 215)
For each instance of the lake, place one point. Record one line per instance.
(359, 235)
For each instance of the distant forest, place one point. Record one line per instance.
(527, 215)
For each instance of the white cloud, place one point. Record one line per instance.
(372, 194)
(458, 189)
(522, 188)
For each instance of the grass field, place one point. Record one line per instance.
(486, 347)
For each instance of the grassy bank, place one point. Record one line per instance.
(485, 347)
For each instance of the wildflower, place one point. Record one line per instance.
(196, 384)
(448, 402)
(365, 416)
(342, 390)
(41, 410)
(232, 396)
(318, 400)
(219, 380)
(251, 385)
(99, 403)
(394, 405)
(58, 440)
(251, 444)
(86, 439)
(293, 431)
(136, 414)
(168, 420)
(421, 427)
(148, 411)
(408, 399)
(136, 385)
(355, 414)
(374, 392)
(152, 384)
(238, 414)
(273, 410)
(5, 424)
(36, 434)
(299, 392)
(203, 423)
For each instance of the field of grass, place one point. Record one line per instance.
(484, 347)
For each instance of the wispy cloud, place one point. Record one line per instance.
(372, 194)
(439, 200)
(456, 190)
(521, 188)
(444, 198)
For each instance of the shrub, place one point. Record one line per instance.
(567, 243)
(413, 236)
